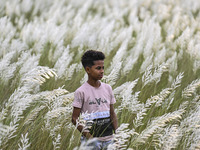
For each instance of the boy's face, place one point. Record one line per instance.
(96, 71)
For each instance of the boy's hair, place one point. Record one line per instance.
(90, 56)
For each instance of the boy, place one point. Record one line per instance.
(95, 98)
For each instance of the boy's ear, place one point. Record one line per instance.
(87, 69)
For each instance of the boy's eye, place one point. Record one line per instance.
(99, 68)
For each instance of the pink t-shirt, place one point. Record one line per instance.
(94, 101)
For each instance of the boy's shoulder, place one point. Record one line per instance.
(105, 85)
(82, 87)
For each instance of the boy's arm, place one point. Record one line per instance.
(75, 115)
(113, 117)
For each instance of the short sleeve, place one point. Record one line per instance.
(78, 99)
(112, 97)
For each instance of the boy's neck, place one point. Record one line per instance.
(94, 83)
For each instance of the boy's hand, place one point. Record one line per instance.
(87, 135)
(113, 117)
(90, 137)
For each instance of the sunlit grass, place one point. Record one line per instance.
(151, 46)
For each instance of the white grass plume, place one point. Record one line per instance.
(84, 79)
(57, 115)
(54, 119)
(32, 115)
(131, 103)
(157, 123)
(184, 38)
(10, 131)
(119, 55)
(128, 100)
(6, 27)
(190, 126)
(39, 33)
(176, 83)
(27, 62)
(21, 99)
(83, 32)
(7, 68)
(25, 144)
(159, 98)
(155, 76)
(87, 124)
(74, 68)
(4, 129)
(57, 142)
(125, 87)
(123, 134)
(67, 98)
(104, 37)
(140, 116)
(191, 89)
(8, 64)
(125, 91)
(114, 74)
(63, 62)
(160, 56)
(171, 138)
(172, 64)
(122, 38)
(129, 63)
(4, 112)
(52, 99)
(36, 77)
(152, 41)
(147, 63)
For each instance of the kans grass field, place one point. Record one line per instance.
(152, 50)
